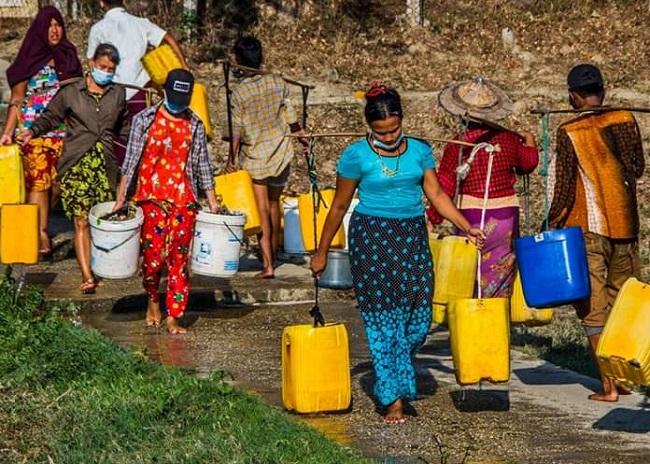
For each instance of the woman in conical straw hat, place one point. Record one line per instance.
(479, 104)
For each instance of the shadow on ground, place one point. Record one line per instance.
(466, 400)
(625, 420)
(549, 374)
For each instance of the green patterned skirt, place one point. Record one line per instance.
(86, 184)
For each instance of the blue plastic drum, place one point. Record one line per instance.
(553, 267)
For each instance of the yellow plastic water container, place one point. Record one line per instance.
(315, 368)
(479, 333)
(236, 190)
(12, 179)
(306, 213)
(159, 61)
(623, 351)
(435, 244)
(19, 234)
(455, 273)
(521, 313)
(199, 105)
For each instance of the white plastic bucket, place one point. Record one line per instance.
(217, 241)
(114, 245)
(346, 219)
(292, 235)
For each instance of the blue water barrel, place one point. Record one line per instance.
(553, 267)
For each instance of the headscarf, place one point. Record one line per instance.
(35, 51)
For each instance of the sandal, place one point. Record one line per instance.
(88, 287)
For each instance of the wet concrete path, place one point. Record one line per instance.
(541, 416)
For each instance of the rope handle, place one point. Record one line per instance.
(316, 200)
(483, 213)
(544, 170)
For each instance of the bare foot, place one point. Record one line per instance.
(623, 389)
(610, 397)
(173, 327)
(266, 274)
(154, 316)
(45, 243)
(395, 413)
(87, 287)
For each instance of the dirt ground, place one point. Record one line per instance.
(491, 425)
(339, 46)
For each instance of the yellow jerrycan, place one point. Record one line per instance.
(455, 273)
(200, 106)
(623, 351)
(315, 368)
(19, 238)
(236, 190)
(306, 214)
(435, 243)
(12, 179)
(521, 313)
(479, 332)
(159, 61)
(479, 328)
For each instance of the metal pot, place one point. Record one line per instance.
(337, 272)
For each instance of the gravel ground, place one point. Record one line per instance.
(490, 426)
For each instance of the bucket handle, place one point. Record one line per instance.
(241, 242)
(108, 250)
(482, 226)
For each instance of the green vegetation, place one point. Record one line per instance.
(69, 395)
(562, 342)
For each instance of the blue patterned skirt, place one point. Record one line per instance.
(393, 281)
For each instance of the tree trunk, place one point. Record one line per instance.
(68, 8)
(190, 17)
(414, 12)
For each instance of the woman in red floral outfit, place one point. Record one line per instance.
(167, 158)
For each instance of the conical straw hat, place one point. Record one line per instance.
(478, 98)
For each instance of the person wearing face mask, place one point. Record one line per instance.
(46, 58)
(166, 169)
(132, 36)
(599, 157)
(478, 104)
(94, 109)
(388, 241)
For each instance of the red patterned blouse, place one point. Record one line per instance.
(162, 175)
(514, 159)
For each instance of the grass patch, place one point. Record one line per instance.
(69, 394)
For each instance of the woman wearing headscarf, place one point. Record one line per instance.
(46, 58)
(389, 250)
(479, 103)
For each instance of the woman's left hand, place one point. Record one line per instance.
(477, 237)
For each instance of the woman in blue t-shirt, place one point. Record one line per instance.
(389, 251)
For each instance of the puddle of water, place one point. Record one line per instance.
(334, 429)
(153, 343)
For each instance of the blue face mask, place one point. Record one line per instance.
(102, 78)
(172, 108)
(383, 146)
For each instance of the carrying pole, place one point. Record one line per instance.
(226, 76)
(316, 200)
(597, 109)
